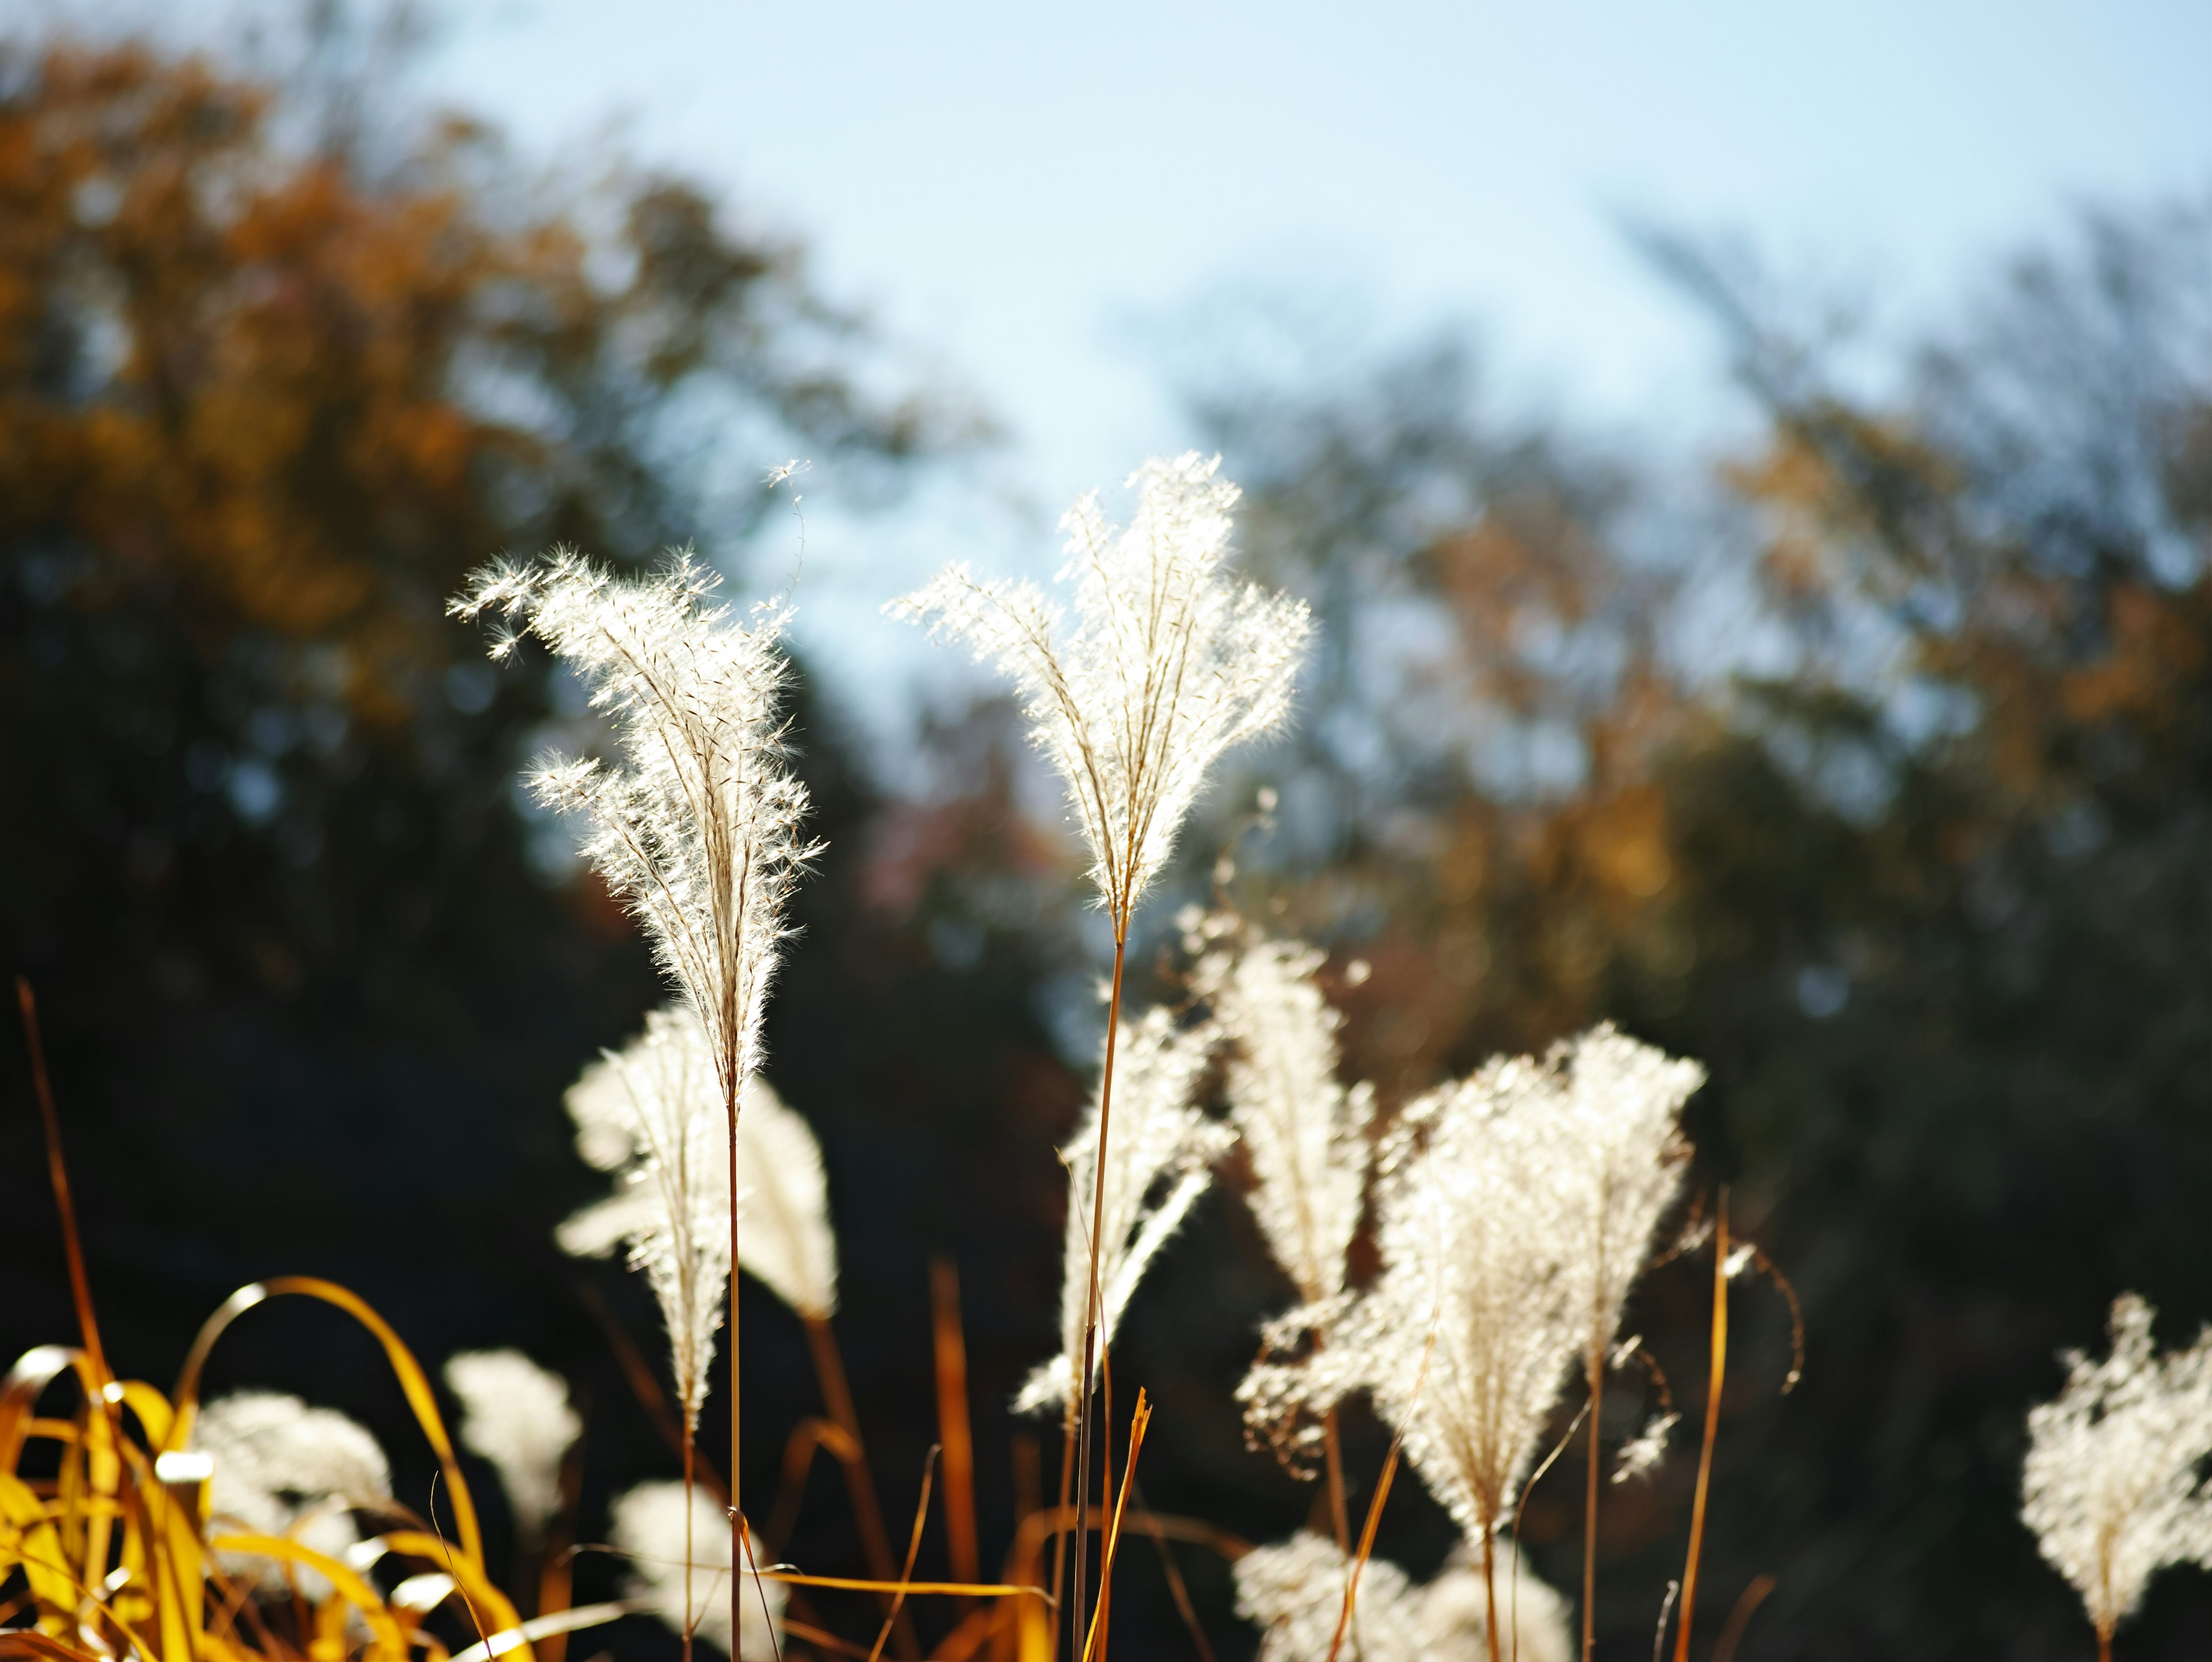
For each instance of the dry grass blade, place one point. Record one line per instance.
(1168, 1568)
(72, 1243)
(1138, 1421)
(1746, 1604)
(1712, 1425)
(952, 1425)
(913, 1547)
(1366, 1544)
(853, 1455)
(412, 1381)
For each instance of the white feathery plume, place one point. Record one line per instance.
(516, 1415)
(2112, 1484)
(1472, 1224)
(652, 1115)
(1306, 1136)
(650, 1525)
(1618, 1104)
(694, 825)
(283, 1468)
(1158, 1163)
(1169, 664)
(1455, 1613)
(783, 1203)
(653, 1112)
(1294, 1592)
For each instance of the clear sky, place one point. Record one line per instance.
(1024, 191)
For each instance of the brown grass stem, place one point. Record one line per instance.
(637, 1373)
(808, 1436)
(1747, 1603)
(732, 1086)
(1091, 1299)
(1597, 1368)
(1712, 1425)
(950, 1347)
(1094, 1647)
(1366, 1543)
(58, 1170)
(690, 1617)
(913, 1547)
(1168, 1568)
(1332, 1448)
(859, 1481)
(1059, 1543)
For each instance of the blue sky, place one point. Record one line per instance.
(1024, 193)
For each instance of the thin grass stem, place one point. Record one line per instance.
(1596, 1361)
(1094, 1649)
(1332, 1446)
(72, 1242)
(1097, 1228)
(913, 1547)
(951, 1352)
(1712, 1425)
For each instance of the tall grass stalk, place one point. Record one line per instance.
(1169, 666)
(694, 822)
(1716, 1378)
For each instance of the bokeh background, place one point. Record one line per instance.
(1754, 475)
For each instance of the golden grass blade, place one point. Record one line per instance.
(913, 1547)
(386, 1643)
(511, 1639)
(807, 1437)
(412, 1381)
(34, 1370)
(27, 1643)
(497, 1611)
(952, 1425)
(72, 1246)
(35, 1546)
(1712, 1425)
(822, 1638)
(1138, 1420)
(861, 1584)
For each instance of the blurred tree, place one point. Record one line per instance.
(1889, 806)
(312, 991)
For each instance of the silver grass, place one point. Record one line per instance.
(653, 1523)
(1169, 664)
(284, 1468)
(2113, 1485)
(694, 822)
(516, 1415)
(1294, 1591)
(1306, 1135)
(652, 1115)
(1160, 1162)
(1617, 1105)
(652, 1112)
(1473, 1225)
